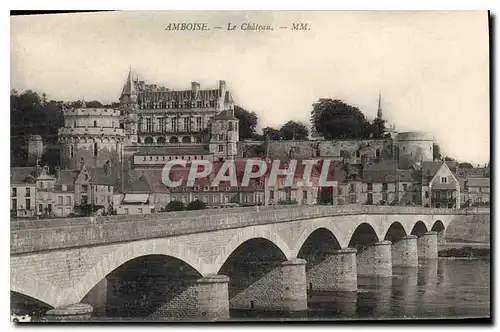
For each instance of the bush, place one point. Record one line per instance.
(196, 205)
(175, 206)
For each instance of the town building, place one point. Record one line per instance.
(22, 191)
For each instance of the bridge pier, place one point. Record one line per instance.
(281, 288)
(375, 260)
(404, 252)
(337, 272)
(204, 299)
(78, 312)
(427, 246)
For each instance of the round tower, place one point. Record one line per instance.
(414, 147)
(35, 149)
(92, 136)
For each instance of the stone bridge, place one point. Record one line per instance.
(202, 264)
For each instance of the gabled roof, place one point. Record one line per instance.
(100, 177)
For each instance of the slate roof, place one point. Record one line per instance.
(225, 115)
(479, 182)
(67, 176)
(19, 175)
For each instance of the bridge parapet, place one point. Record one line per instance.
(104, 231)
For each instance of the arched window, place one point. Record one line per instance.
(186, 139)
(148, 140)
(160, 140)
(174, 139)
(95, 123)
(122, 126)
(95, 149)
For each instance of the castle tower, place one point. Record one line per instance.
(91, 136)
(35, 149)
(413, 147)
(128, 107)
(224, 129)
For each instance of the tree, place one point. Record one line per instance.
(448, 158)
(175, 206)
(196, 205)
(294, 131)
(465, 165)
(271, 133)
(436, 152)
(335, 119)
(247, 122)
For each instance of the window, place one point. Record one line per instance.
(205, 199)
(14, 204)
(304, 194)
(40, 208)
(369, 186)
(95, 123)
(139, 210)
(126, 210)
(60, 200)
(214, 199)
(221, 137)
(341, 191)
(353, 187)
(95, 149)
(74, 123)
(426, 194)
(405, 187)
(246, 198)
(28, 204)
(370, 198)
(444, 179)
(14, 192)
(199, 124)
(162, 124)
(71, 151)
(174, 125)
(271, 195)
(68, 200)
(221, 148)
(230, 126)
(357, 154)
(187, 124)
(64, 187)
(384, 186)
(212, 103)
(198, 103)
(149, 125)
(377, 153)
(384, 197)
(186, 104)
(85, 188)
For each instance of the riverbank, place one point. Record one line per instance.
(465, 250)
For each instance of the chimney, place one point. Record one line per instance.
(222, 86)
(58, 172)
(195, 87)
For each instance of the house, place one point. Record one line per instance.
(45, 196)
(136, 195)
(384, 183)
(440, 187)
(475, 191)
(23, 191)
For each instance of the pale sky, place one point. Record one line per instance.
(431, 67)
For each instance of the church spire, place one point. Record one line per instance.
(379, 110)
(83, 102)
(128, 92)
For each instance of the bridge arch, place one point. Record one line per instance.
(126, 253)
(38, 290)
(395, 232)
(440, 228)
(419, 228)
(363, 236)
(242, 236)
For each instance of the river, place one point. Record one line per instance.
(443, 288)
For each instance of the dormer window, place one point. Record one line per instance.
(186, 104)
(198, 103)
(444, 179)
